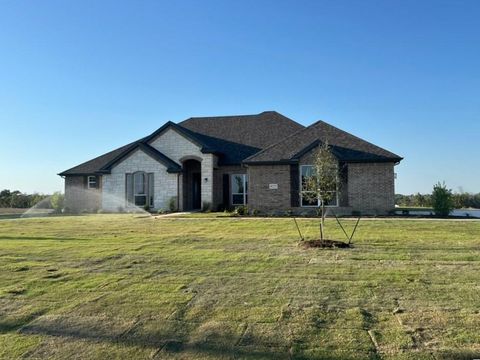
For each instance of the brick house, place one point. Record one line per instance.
(223, 162)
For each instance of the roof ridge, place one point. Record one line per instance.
(278, 142)
(227, 116)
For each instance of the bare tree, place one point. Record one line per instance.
(321, 184)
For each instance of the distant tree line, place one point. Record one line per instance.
(460, 200)
(17, 199)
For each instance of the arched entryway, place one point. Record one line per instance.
(192, 184)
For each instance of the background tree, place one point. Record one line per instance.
(5, 196)
(321, 185)
(461, 200)
(442, 200)
(17, 199)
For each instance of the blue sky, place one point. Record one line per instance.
(79, 78)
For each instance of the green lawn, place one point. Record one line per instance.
(128, 287)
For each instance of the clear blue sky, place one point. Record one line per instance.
(79, 78)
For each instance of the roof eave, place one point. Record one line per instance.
(65, 173)
(206, 150)
(296, 161)
(174, 170)
(387, 160)
(271, 162)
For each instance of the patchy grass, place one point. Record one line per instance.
(11, 211)
(124, 286)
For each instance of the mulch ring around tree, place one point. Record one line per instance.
(325, 244)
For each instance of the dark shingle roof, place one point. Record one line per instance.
(232, 138)
(229, 152)
(90, 167)
(240, 138)
(104, 163)
(346, 147)
(258, 131)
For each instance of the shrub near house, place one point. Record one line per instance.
(442, 200)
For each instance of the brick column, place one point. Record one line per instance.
(207, 178)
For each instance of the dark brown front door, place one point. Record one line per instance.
(197, 190)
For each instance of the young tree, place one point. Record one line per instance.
(57, 201)
(442, 200)
(321, 185)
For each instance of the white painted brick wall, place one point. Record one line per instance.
(114, 184)
(207, 173)
(178, 148)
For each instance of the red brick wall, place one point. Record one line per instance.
(371, 187)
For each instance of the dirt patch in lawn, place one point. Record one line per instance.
(325, 244)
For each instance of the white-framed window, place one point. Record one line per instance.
(307, 201)
(140, 189)
(92, 182)
(239, 188)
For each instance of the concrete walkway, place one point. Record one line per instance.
(175, 214)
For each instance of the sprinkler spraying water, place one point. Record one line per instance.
(40, 209)
(83, 201)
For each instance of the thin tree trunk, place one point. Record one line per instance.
(320, 228)
(322, 221)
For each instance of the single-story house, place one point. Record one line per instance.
(227, 161)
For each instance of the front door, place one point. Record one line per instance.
(197, 190)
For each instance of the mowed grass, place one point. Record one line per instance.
(135, 287)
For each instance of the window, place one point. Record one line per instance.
(307, 198)
(239, 189)
(139, 189)
(92, 182)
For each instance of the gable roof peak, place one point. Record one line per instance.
(350, 148)
(171, 165)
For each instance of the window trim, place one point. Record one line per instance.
(89, 182)
(245, 189)
(301, 191)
